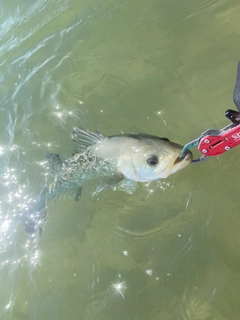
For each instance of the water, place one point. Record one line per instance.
(170, 249)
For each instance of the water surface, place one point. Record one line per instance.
(170, 249)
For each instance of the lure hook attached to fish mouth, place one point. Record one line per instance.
(187, 155)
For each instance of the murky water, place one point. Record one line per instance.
(168, 251)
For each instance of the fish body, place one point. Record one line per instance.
(135, 157)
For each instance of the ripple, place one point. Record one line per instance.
(167, 229)
(204, 6)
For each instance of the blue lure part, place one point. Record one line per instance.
(189, 145)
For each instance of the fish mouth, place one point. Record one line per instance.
(186, 156)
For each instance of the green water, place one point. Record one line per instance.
(170, 250)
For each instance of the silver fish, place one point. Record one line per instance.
(135, 157)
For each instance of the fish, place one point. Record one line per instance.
(125, 157)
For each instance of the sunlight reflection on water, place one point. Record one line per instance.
(165, 250)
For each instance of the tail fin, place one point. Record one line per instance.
(35, 213)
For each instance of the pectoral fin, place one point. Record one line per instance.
(128, 186)
(109, 182)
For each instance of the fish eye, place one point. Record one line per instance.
(152, 160)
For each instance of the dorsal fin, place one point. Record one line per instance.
(84, 138)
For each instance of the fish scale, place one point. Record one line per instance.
(76, 170)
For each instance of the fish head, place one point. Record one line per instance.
(151, 158)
